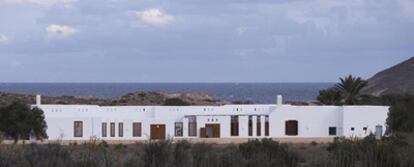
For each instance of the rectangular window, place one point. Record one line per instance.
(332, 131)
(136, 129)
(266, 125)
(192, 126)
(104, 129)
(112, 129)
(121, 129)
(250, 125)
(78, 129)
(234, 125)
(258, 126)
(291, 128)
(178, 129)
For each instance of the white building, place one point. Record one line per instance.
(81, 122)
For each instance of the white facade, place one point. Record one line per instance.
(266, 121)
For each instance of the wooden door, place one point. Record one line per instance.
(203, 133)
(215, 130)
(158, 131)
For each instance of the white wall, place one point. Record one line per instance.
(313, 121)
(359, 117)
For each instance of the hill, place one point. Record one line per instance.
(397, 80)
(134, 98)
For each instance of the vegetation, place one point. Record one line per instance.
(265, 153)
(346, 92)
(369, 152)
(17, 121)
(330, 97)
(175, 102)
(243, 102)
(401, 116)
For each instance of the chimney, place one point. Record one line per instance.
(279, 100)
(38, 100)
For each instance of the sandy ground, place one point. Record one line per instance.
(194, 140)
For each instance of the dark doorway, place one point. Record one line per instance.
(291, 128)
(158, 131)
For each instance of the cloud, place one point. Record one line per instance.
(154, 16)
(3, 39)
(60, 30)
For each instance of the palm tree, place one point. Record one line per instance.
(350, 88)
(330, 96)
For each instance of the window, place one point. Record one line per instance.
(192, 126)
(291, 128)
(266, 125)
(352, 128)
(332, 131)
(178, 129)
(365, 128)
(234, 126)
(112, 129)
(258, 126)
(121, 129)
(78, 129)
(250, 125)
(136, 129)
(104, 129)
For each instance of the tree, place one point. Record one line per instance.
(18, 121)
(330, 96)
(350, 88)
(346, 92)
(39, 126)
(401, 115)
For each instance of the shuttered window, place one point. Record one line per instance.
(136, 129)
(121, 129)
(78, 129)
(104, 129)
(112, 129)
(178, 129)
(192, 126)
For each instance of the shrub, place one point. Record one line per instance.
(267, 153)
(175, 102)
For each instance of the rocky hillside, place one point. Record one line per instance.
(397, 80)
(135, 98)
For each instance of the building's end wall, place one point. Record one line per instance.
(356, 118)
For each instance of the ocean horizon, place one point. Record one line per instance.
(261, 93)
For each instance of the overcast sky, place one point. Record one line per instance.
(201, 40)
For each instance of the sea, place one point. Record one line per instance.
(261, 93)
